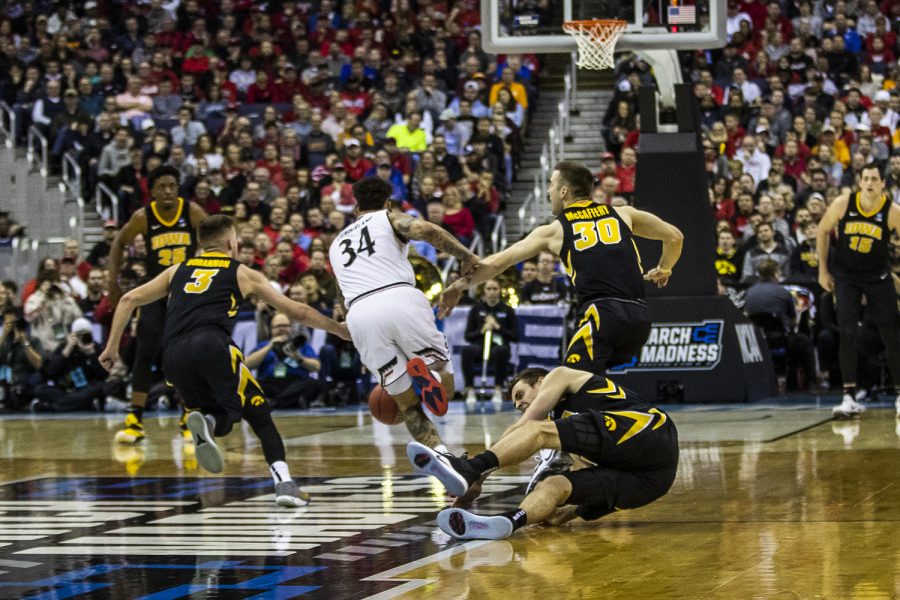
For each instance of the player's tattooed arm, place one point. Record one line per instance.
(412, 228)
(420, 428)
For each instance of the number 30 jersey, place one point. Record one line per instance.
(169, 242)
(367, 256)
(204, 292)
(599, 253)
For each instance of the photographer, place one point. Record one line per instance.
(20, 359)
(74, 372)
(495, 315)
(50, 311)
(283, 366)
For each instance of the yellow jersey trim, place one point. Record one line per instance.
(174, 219)
(580, 204)
(874, 212)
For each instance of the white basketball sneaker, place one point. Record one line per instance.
(463, 525)
(550, 462)
(848, 408)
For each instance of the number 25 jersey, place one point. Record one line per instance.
(169, 242)
(367, 256)
(599, 253)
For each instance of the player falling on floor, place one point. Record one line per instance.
(861, 267)
(392, 323)
(201, 361)
(596, 245)
(629, 447)
(168, 226)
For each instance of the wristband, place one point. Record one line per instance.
(665, 272)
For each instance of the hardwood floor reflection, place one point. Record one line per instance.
(815, 514)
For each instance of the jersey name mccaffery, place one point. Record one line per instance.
(592, 212)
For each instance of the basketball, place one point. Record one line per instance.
(383, 407)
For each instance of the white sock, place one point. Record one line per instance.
(442, 449)
(211, 421)
(280, 472)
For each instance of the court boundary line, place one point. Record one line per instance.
(413, 584)
(801, 430)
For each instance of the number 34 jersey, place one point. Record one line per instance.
(204, 292)
(599, 253)
(367, 256)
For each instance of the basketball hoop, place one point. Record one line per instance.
(596, 40)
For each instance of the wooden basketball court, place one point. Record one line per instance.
(770, 502)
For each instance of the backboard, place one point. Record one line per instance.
(517, 26)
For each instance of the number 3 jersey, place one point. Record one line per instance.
(204, 292)
(367, 257)
(863, 241)
(599, 253)
(169, 242)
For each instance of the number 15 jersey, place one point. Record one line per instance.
(367, 256)
(599, 253)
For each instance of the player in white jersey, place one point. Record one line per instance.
(390, 321)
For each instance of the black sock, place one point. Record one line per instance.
(518, 518)
(851, 390)
(486, 461)
(137, 411)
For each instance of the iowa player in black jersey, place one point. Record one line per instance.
(200, 360)
(595, 244)
(628, 449)
(168, 226)
(861, 268)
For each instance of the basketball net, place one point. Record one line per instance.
(596, 39)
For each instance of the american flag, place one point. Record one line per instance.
(682, 15)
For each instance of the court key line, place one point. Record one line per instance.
(413, 584)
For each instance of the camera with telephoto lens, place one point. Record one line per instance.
(85, 337)
(293, 345)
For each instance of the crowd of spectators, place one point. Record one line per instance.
(803, 95)
(270, 112)
(258, 101)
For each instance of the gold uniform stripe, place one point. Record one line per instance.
(874, 212)
(174, 219)
(641, 421)
(237, 365)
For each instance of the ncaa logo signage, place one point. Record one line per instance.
(693, 346)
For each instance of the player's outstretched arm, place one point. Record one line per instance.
(135, 225)
(412, 228)
(823, 239)
(557, 383)
(545, 237)
(252, 282)
(153, 290)
(647, 225)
